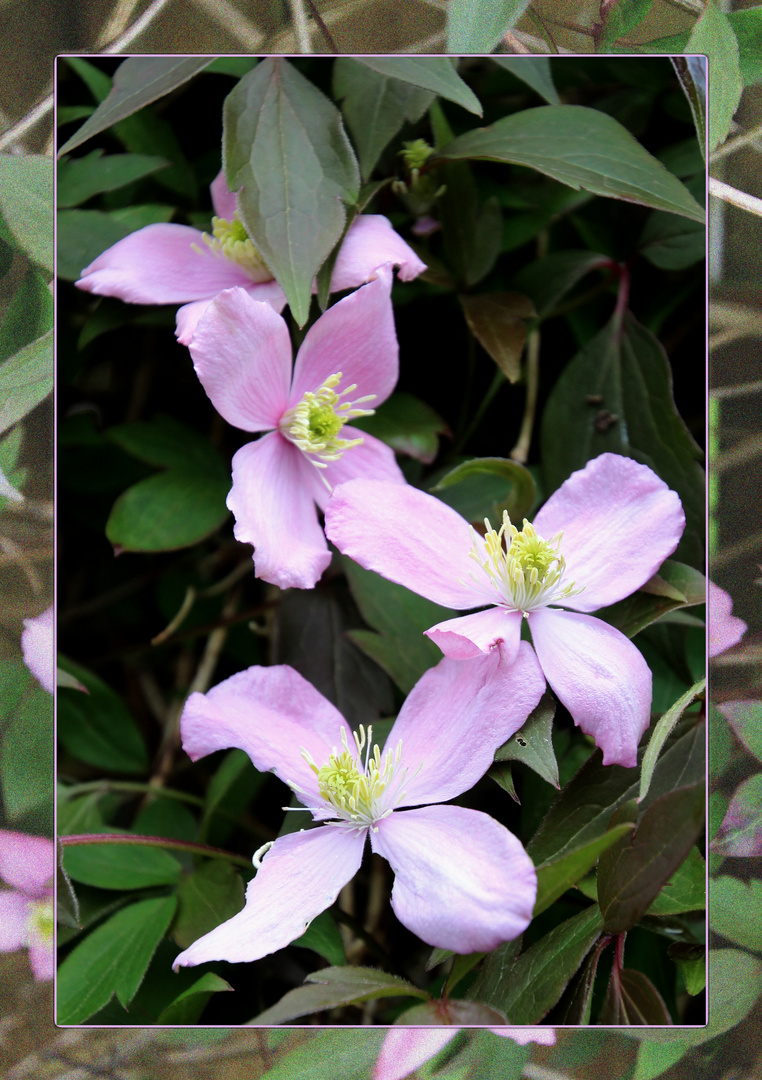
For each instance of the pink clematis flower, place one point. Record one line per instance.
(170, 264)
(242, 355)
(37, 647)
(404, 1049)
(27, 865)
(597, 539)
(725, 630)
(462, 880)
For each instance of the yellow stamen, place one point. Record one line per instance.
(230, 239)
(314, 424)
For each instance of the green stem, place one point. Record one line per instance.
(156, 842)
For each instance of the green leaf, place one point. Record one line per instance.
(476, 26)
(675, 586)
(434, 73)
(582, 809)
(208, 897)
(631, 874)
(549, 279)
(654, 1059)
(497, 322)
(747, 26)
(713, 35)
(685, 890)
(83, 235)
(485, 487)
(662, 731)
(188, 1006)
(472, 230)
(334, 986)
(627, 374)
(525, 989)
(622, 17)
(375, 106)
(741, 832)
(28, 316)
(81, 178)
(533, 744)
(349, 1053)
(26, 203)
(691, 74)
(736, 907)
(554, 878)
(120, 866)
(138, 81)
(324, 937)
(745, 718)
(633, 999)
(671, 242)
(26, 756)
(285, 145)
(408, 425)
(400, 617)
(113, 959)
(26, 379)
(535, 73)
(97, 727)
(556, 140)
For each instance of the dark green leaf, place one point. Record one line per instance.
(26, 203)
(476, 26)
(472, 229)
(553, 879)
(672, 243)
(685, 890)
(113, 959)
(497, 322)
(408, 425)
(28, 316)
(26, 756)
(83, 235)
(633, 999)
(209, 896)
(547, 280)
(736, 907)
(346, 1052)
(533, 743)
(485, 487)
(188, 1006)
(336, 986)
(138, 81)
(375, 106)
(662, 731)
(284, 144)
(556, 140)
(324, 937)
(434, 73)
(622, 17)
(741, 832)
(747, 26)
(745, 718)
(120, 866)
(535, 73)
(81, 178)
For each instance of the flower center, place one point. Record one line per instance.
(230, 239)
(314, 424)
(528, 572)
(360, 791)
(40, 921)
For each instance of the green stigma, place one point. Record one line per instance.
(528, 572)
(314, 424)
(40, 919)
(230, 239)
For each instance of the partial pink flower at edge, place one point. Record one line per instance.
(242, 355)
(27, 865)
(598, 538)
(725, 629)
(404, 1049)
(462, 880)
(37, 647)
(166, 263)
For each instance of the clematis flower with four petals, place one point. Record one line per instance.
(27, 865)
(725, 629)
(347, 361)
(597, 539)
(404, 1049)
(462, 880)
(166, 263)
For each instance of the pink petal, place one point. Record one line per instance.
(474, 635)
(404, 1049)
(407, 536)
(357, 338)
(372, 459)
(7, 490)
(457, 715)
(223, 200)
(268, 292)
(599, 675)
(41, 958)
(242, 354)
(14, 920)
(463, 882)
(522, 1036)
(619, 523)
(299, 877)
(159, 264)
(370, 242)
(39, 650)
(274, 511)
(27, 863)
(271, 713)
(725, 629)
